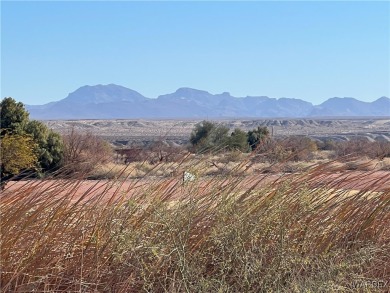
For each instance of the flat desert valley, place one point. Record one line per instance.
(124, 133)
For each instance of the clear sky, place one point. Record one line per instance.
(308, 50)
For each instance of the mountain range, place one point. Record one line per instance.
(118, 102)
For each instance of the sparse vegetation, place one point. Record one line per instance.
(360, 147)
(277, 219)
(84, 151)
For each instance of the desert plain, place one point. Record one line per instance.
(125, 132)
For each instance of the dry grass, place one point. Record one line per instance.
(384, 164)
(202, 165)
(299, 233)
(363, 164)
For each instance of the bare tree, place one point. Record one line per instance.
(83, 151)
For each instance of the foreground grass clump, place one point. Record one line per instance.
(293, 233)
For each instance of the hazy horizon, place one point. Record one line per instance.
(213, 93)
(305, 50)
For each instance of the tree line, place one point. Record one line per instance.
(26, 144)
(211, 136)
(30, 146)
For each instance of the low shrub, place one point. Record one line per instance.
(84, 151)
(294, 148)
(362, 147)
(158, 152)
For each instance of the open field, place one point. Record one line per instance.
(287, 217)
(317, 230)
(195, 146)
(141, 132)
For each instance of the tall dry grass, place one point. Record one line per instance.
(303, 232)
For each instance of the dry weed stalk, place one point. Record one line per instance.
(261, 233)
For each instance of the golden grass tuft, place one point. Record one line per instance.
(303, 232)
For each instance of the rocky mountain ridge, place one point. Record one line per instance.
(118, 102)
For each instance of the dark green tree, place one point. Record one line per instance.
(15, 121)
(13, 116)
(239, 140)
(256, 136)
(201, 132)
(55, 147)
(219, 137)
(209, 136)
(50, 146)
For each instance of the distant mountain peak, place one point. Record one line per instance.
(342, 99)
(99, 93)
(191, 91)
(383, 99)
(113, 101)
(225, 94)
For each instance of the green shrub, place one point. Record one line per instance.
(18, 153)
(238, 140)
(257, 136)
(49, 147)
(209, 136)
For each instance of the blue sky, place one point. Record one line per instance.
(308, 50)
